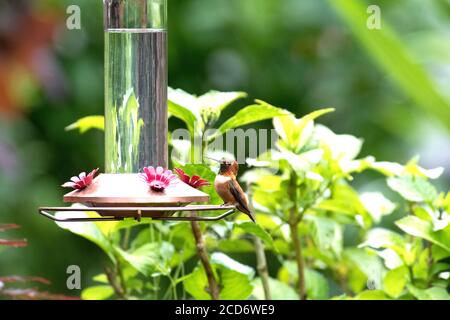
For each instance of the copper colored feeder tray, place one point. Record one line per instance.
(118, 196)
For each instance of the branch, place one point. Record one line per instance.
(118, 290)
(262, 267)
(12, 279)
(33, 294)
(203, 255)
(299, 260)
(4, 227)
(14, 243)
(294, 221)
(261, 261)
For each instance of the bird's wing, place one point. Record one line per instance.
(239, 195)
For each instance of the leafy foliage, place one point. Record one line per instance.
(302, 192)
(87, 123)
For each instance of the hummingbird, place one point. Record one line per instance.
(228, 188)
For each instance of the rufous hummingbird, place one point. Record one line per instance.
(228, 188)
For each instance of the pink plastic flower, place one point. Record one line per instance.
(157, 179)
(195, 182)
(82, 181)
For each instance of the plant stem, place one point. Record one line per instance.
(183, 297)
(154, 279)
(262, 267)
(429, 261)
(204, 148)
(174, 288)
(119, 272)
(261, 261)
(118, 289)
(126, 239)
(294, 221)
(203, 255)
(299, 260)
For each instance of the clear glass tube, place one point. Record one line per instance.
(135, 84)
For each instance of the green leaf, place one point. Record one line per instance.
(415, 189)
(421, 266)
(440, 267)
(97, 293)
(225, 261)
(343, 147)
(371, 295)
(101, 278)
(144, 259)
(149, 258)
(256, 230)
(433, 293)
(386, 49)
(437, 293)
(394, 169)
(395, 281)
(142, 238)
(87, 123)
(382, 238)
(278, 290)
(196, 284)
(89, 231)
(235, 278)
(235, 246)
(442, 222)
(316, 285)
(424, 229)
(249, 114)
(296, 132)
(268, 201)
(327, 234)
(268, 182)
(391, 258)
(184, 106)
(414, 169)
(219, 100)
(235, 285)
(197, 112)
(369, 264)
(125, 224)
(302, 163)
(388, 168)
(377, 205)
(439, 253)
(346, 200)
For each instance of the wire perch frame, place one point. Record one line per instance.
(137, 213)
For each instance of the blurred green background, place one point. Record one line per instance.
(389, 87)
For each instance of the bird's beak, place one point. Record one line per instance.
(212, 159)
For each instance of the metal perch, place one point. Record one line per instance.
(154, 213)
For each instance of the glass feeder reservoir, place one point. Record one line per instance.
(135, 84)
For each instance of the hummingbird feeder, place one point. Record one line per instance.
(136, 125)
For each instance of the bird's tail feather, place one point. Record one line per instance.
(247, 211)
